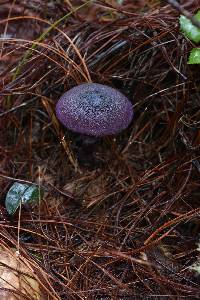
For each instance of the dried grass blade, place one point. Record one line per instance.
(62, 137)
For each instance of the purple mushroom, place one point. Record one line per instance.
(94, 109)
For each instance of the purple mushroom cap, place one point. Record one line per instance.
(94, 109)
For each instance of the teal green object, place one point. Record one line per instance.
(21, 193)
(190, 30)
(194, 57)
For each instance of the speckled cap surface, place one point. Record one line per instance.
(94, 109)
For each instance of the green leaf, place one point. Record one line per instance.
(194, 57)
(196, 265)
(21, 193)
(190, 30)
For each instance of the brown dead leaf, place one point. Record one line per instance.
(16, 279)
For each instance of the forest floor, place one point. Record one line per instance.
(119, 216)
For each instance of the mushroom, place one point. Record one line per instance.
(94, 109)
